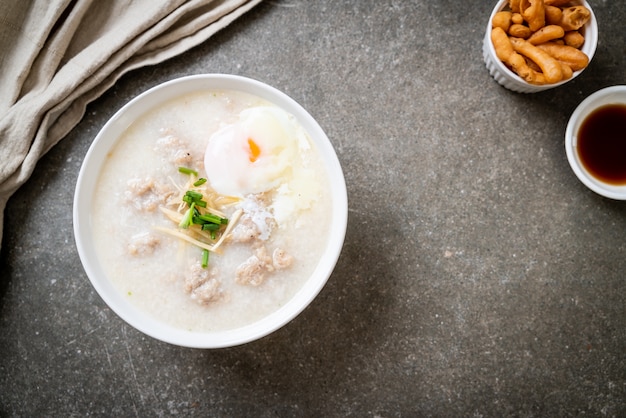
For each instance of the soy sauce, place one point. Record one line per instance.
(602, 144)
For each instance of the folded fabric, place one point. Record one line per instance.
(56, 56)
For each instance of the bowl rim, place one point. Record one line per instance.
(590, 46)
(606, 96)
(92, 165)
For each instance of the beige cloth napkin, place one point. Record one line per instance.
(56, 56)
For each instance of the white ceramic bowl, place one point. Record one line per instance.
(507, 78)
(84, 195)
(606, 96)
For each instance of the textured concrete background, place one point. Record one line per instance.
(479, 277)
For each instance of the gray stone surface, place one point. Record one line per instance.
(479, 277)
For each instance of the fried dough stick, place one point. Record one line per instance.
(550, 67)
(505, 52)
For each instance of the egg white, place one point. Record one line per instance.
(279, 166)
(230, 166)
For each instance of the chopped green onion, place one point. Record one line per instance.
(186, 170)
(189, 200)
(188, 217)
(193, 195)
(200, 182)
(210, 227)
(213, 235)
(212, 218)
(205, 258)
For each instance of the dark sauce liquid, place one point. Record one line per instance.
(602, 144)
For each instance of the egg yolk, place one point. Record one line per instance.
(254, 150)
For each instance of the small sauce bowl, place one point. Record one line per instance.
(610, 96)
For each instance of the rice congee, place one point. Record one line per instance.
(212, 210)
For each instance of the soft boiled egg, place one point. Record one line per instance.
(264, 150)
(254, 154)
